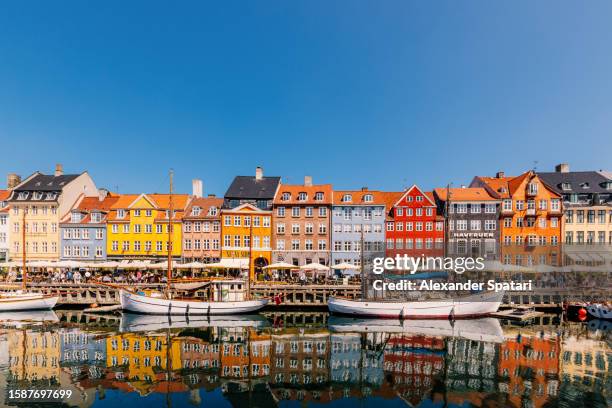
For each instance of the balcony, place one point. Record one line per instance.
(531, 212)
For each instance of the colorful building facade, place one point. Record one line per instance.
(246, 232)
(357, 216)
(413, 226)
(301, 218)
(530, 218)
(472, 218)
(137, 226)
(4, 224)
(202, 230)
(83, 229)
(45, 200)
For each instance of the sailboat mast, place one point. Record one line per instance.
(248, 280)
(23, 235)
(170, 214)
(363, 282)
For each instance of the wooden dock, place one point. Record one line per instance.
(518, 313)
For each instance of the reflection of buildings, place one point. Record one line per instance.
(471, 365)
(529, 367)
(34, 356)
(242, 348)
(298, 363)
(585, 363)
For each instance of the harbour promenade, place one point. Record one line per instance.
(298, 296)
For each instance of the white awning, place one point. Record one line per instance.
(314, 266)
(230, 263)
(281, 265)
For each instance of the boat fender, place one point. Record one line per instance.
(401, 316)
(451, 315)
(208, 310)
(187, 310)
(169, 309)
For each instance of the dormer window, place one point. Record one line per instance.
(347, 198)
(75, 217)
(319, 196)
(286, 197)
(368, 198)
(22, 195)
(566, 186)
(532, 188)
(38, 195)
(96, 217)
(607, 185)
(195, 211)
(120, 213)
(213, 211)
(302, 196)
(51, 196)
(584, 185)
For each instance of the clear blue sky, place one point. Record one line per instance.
(354, 93)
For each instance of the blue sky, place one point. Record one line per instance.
(354, 93)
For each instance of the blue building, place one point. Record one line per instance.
(357, 216)
(83, 229)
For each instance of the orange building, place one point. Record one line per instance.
(530, 218)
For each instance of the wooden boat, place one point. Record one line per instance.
(600, 311)
(143, 323)
(486, 329)
(22, 300)
(159, 303)
(481, 304)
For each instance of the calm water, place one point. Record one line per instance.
(296, 360)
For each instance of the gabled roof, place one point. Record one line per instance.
(580, 182)
(88, 205)
(465, 194)
(295, 189)
(427, 195)
(505, 187)
(244, 206)
(4, 195)
(358, 197)
(250, 188)
(44, 182)
(204, 203)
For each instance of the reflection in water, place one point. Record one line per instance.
(248, 361)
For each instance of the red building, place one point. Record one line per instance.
(414, 227)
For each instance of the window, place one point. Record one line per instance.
(148, 213)
(280, 244)
(280, 228)
(475, 208)
(532, 188)
(309, 245)
(461, 225)
(475, 225)
(322, 245)
(319, 196)
(368, 198)
(543, 204)
(507, 205)
(120, 213)
(126, 228)
(286, 197)
(322, 212)
(347, 198)
(309, 211)
(295, 228)
(490, 208)
(309, 228)
(409, 226)
(237, 220)
(419, 212)
(280, 211)
(295, 244)
(460, 208)
(490, 225)
(295, 211)
(429, 212)
(195, 211)
(322, 228)
(266, 222)
(302, 196)
(227, 221)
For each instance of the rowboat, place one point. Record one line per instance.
(476, 305)
(143, 323)
(486, 329)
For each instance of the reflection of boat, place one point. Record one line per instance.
(480, 304)
(485, 329)
(597, 324)
(17, 301)
(599, 311)
(29, 316)
(137, 322)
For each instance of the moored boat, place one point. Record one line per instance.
(476, 305)
(21, 301)
(139, 322)
(600, 311)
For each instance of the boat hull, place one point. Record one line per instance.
(26, 301)
(142, 323)
(136, 303)
(478, 305)
(600, 311)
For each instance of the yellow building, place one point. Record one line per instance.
(37, 205)
(34, 355)
(247, 229)
(137, 226)
(141, 357)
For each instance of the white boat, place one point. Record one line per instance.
(158, 304)
(144, 323)
(600, 311)
(486, 329)
(20, 301)
(28, 316)
(480, 304)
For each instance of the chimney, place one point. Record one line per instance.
(12, 180)
(500, 174)
(258, 173)
(562, 168)
(102, 193)
(212, 195)
(59, 170)
(463, 186)
(364, 189)
(197, 188)
(308, 181)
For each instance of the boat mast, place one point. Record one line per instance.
(170, 214)
(248, 280)
(23, 235)
(363, 283)
(447, 221)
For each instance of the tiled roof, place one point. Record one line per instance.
(465, 194)
(378, 197)
(295, 189)
(4, 195)
(581, 182)
(43, 182)
(248, 187)
(505, 187)
(204, 203)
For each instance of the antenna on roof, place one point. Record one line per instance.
(535, 165)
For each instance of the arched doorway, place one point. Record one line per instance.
(258, 265)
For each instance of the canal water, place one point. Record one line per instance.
(299, 360)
